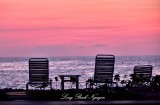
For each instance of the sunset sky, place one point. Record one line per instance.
(79, 27)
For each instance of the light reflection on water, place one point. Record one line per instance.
(14, 71)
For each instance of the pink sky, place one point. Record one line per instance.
(79, 27)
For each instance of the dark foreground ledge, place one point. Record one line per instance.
(122, 102)
(83, 96)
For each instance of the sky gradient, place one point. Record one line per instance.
(32, 28)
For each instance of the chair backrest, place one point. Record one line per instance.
(104, 68)
(145, 71)
(38, 70)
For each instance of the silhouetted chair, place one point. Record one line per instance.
(39, 73)
(104, 68)
(142, 74)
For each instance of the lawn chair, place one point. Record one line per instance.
(142, 74)
(39, 73)
(104, 68)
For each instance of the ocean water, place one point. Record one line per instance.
(14, 72)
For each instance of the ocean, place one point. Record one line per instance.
(14, 72)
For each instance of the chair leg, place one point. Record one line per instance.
(86, 85)
(51, 86)
(27, 87)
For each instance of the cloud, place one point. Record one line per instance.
(63, 50)
(38, 28)
(99, 45)
(54, 50)
(50, 47)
